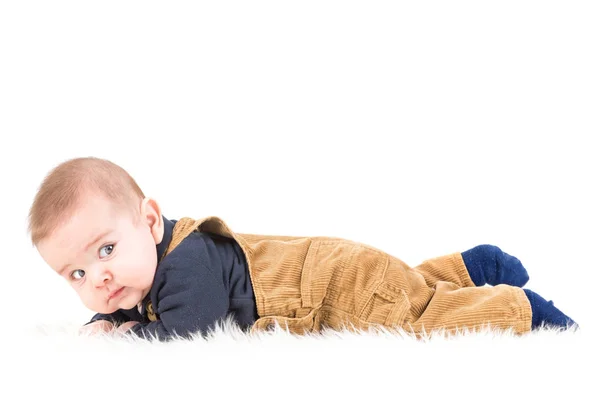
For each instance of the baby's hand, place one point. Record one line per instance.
(96, 327)
(125, 326)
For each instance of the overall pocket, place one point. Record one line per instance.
(353, 283)
(388, 306)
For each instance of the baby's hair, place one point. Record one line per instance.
(63, 187)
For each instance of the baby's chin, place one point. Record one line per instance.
(131, 298)
(127, 300)
(128, 304)
(108, 308)
(102, 310)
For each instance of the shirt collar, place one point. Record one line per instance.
(161, 248)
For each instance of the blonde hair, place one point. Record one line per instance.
(63, 187)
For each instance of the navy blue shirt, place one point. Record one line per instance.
(203, 280)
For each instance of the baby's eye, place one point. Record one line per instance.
(106, 250)
(77, 274)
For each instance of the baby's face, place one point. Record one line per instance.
(108, 259)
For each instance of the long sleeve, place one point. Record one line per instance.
(188, 296)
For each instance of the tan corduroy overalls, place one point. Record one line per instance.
(310, 283)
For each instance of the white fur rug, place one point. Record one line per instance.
(53, 360)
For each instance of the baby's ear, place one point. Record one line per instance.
(152, 215)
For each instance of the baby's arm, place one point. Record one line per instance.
(190, 298)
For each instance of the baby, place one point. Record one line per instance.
(152, 277)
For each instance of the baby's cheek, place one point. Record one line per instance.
(143, 273)
(89, 302)
(92, 301)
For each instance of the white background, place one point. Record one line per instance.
(421, 128)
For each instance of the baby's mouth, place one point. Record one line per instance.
(115, 293)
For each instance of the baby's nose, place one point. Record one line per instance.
(100, 277)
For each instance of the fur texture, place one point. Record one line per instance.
(54, 359)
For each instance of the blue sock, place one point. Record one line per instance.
(488, 264)
(544, 312)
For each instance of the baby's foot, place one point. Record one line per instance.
(545, 314)
(488, 264)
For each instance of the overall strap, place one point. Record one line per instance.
(181, 230)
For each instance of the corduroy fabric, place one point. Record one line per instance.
(309, 283)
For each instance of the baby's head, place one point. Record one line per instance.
(92, 224)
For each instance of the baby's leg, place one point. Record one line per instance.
(503, 306)
(488, 264)
(452, 307)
